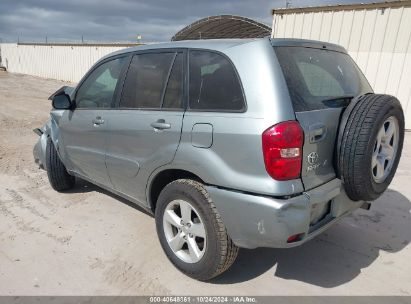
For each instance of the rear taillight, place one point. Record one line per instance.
(282, 150)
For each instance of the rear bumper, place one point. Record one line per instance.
(259, 221)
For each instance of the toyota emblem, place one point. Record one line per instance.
(312, 158)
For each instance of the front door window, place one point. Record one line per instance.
(97, 91)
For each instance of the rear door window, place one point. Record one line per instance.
(319, 78)
(173, 98)
(146, 80)
(213, 83)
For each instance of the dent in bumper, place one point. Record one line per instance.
(259, 221)
(39, 151)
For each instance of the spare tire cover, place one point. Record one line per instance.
(369, 145)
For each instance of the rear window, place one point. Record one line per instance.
(213, 85)
(320, 79)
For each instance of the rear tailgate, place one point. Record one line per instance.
(321, 82)
(320, 133)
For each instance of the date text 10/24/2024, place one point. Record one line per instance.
(202, 299)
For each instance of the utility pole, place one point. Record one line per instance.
(82, 39)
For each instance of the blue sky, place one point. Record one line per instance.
(123, 20)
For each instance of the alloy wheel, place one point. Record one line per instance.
(184, 231)
(385, 149)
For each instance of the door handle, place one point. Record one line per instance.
(98, 121)
(317, 132)
(160, 125)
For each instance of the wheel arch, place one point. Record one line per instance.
(164, 177)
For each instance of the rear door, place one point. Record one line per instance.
(144, 130)
(321, 83)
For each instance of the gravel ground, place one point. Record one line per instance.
(90, 242)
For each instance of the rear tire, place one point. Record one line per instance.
(58, 176)
(216, 251)
(370, 145)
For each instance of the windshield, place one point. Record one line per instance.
(320, 78)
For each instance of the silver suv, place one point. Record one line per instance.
(229, 143)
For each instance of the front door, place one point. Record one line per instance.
(83, 136)
(144, 131)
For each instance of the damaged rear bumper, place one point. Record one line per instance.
(259, 221)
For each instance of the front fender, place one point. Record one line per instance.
(54, 132)
(39, 150)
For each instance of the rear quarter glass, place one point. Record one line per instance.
(320, 78)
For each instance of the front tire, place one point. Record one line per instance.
(57, 173)
(191, 231)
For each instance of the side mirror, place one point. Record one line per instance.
(61, 102)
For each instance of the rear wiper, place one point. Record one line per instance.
(338, 101)
(338, 98)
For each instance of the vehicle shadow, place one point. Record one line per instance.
(83, 186)
(338, 255)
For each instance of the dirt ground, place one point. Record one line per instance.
(90, 242)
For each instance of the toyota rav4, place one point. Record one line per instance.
(229, 143)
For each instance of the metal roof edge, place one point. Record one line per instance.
(204, 22)
(342, 7)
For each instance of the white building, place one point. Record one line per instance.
(377, 36)
(68, 62)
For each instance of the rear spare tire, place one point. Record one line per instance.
(369, 145)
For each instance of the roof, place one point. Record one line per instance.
(223, 44)
(80, 44)
(223, 26)
(341, 7)
(211, 44)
